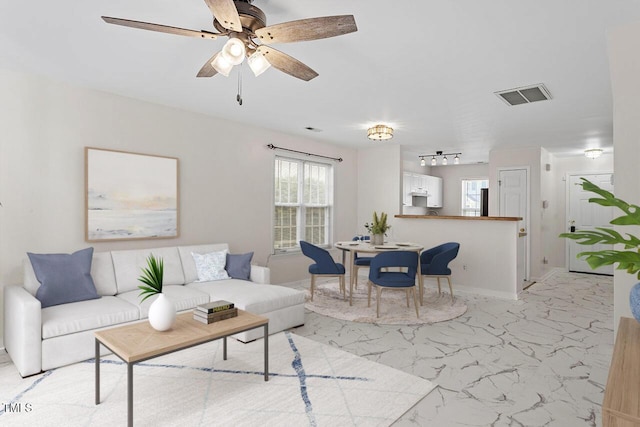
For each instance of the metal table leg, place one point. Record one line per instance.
(266, 352)
(224, 348)
(130, 394)
(97, 344)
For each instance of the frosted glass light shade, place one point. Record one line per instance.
(258, 63)
(221, 65)
(234, 51)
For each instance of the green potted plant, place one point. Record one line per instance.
(162, 312)
(627, 259)
(378, 228)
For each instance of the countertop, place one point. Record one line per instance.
(463, 218)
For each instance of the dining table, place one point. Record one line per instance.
(365, 246)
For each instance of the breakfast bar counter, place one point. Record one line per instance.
(463, 218)
(492, 250)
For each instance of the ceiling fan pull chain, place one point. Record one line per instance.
(239, 96)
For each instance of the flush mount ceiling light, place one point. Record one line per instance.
(593, 153)
(445, 161)
(380, 132)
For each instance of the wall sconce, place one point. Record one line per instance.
(593, 153)
(434, 161)
(380, 132)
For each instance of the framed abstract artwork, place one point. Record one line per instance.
(130, 196)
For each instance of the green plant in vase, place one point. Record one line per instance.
(627, 259)
(152, 277)
(162, 312)
(378, 228)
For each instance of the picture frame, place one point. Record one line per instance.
(130, 196)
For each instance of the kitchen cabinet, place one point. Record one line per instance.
(417, 186)
(434, 191)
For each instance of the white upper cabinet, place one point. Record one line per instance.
(429, 187)
(434, 191)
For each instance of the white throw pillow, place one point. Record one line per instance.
(211, 266)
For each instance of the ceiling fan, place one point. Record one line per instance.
(249, 36)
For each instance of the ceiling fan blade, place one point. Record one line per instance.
(226, 14)
(287, 64)
(307, 29)
(207, 69)
(159, 28)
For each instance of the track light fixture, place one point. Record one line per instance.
(444, 162)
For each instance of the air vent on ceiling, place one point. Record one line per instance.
(524, 95)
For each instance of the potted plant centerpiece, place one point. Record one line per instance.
(378, 228)
(628, 259)
(162, 312)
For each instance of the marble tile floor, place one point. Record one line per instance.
(539, 361)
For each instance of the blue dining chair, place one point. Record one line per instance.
(325, 265)
(360, 261)
(434, 262)
(393, 279)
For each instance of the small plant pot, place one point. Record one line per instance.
(377, 239)
(162, 313)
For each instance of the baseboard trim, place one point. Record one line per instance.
(483, 292)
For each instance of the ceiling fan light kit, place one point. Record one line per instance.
(249, 37)
(221, 65)
(380, 132)
(258, 63)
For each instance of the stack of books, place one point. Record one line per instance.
(214, 311)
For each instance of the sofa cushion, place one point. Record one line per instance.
(86, 315)
(239, 265)
(128, 267)
(103, 275)
(211, 266)
(182, 297)
(189, 265)
(250, 296)
(64, 278)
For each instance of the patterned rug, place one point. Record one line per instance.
(310, 384)
(328, 301)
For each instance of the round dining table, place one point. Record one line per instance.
(364, 246)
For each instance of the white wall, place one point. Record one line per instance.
(226, 173)
(379, 183)
(452, 176)
(624, 60)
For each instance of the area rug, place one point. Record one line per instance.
(328, 301)
(310, 384)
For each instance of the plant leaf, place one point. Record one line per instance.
(152, 277)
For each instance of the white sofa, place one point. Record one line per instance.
(39, 339)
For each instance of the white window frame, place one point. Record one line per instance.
(302, 206)
(463, 194)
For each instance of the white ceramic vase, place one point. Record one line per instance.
(162, 313)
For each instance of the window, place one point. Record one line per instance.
(303, 192)
(471, 196)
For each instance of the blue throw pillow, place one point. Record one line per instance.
(64, 278)
(239, 265)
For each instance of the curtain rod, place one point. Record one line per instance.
(273, 147)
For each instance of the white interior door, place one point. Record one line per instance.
(586, 216)
(514, 201)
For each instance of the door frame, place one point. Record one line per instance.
(527, 225)
(567, 202)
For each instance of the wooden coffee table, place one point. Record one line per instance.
(138, 342)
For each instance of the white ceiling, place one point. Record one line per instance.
(428, 68)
